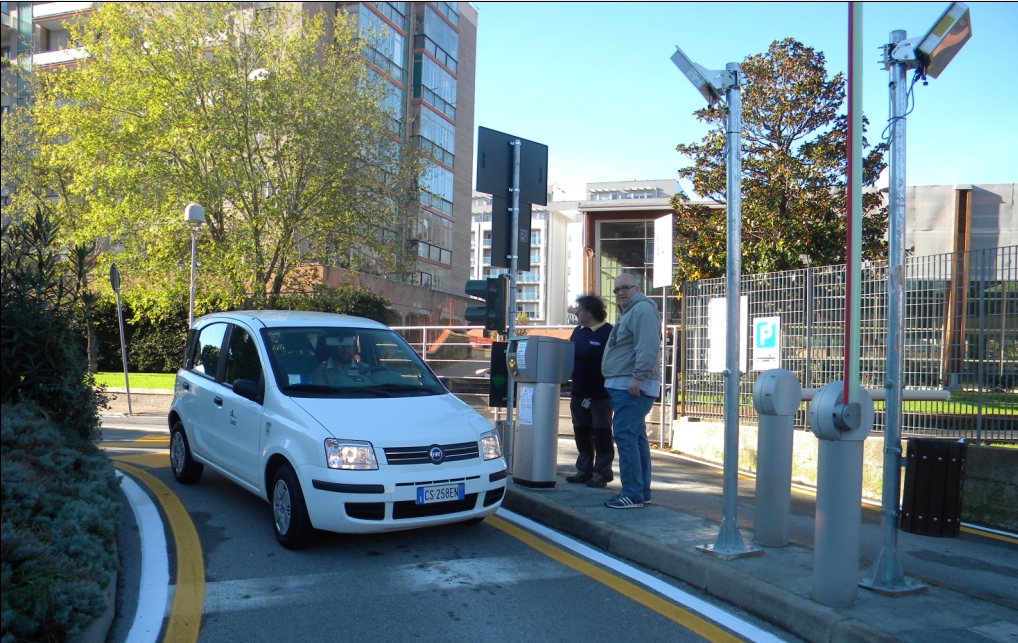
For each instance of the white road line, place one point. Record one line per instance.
(746, 630)
(155, 568)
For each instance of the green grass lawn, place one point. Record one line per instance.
(138, 380)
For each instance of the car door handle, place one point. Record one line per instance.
(185, 386)
(218, 401)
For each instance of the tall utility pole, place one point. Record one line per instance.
(929, 55)
(710, 83)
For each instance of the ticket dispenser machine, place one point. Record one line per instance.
(538, 365)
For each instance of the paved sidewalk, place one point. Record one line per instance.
(973, 580)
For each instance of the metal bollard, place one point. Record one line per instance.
(842, 430)
(776, 397)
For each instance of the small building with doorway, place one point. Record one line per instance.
(617, 236)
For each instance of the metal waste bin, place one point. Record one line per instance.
(934, 480)
(539, 365)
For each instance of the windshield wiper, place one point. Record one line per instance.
(392, 386)
(377, 391)
(310, 387)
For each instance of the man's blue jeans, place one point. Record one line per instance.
(631, 442)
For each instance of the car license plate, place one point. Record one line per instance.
(439, 493)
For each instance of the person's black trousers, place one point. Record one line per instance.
(592, 430)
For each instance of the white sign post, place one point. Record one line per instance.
(663, 261)
(766, 343)
(717, 320)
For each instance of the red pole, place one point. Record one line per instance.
(849, 137)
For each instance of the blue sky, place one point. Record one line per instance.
(594, 81)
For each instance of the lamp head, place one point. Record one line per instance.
(945, 39)
(698, 76)
(194, 214)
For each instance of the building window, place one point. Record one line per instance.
(437, 186)
(386, 47)
(434, 85)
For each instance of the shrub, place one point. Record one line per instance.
(60, 516)
(42, 352)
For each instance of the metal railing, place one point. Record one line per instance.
(961, 334)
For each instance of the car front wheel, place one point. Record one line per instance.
(289, 513)
(185, 469)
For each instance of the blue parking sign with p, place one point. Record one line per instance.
(766, 333)
(766, 343)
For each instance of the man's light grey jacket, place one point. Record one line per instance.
(634, 346)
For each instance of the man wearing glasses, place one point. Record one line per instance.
(630, 367)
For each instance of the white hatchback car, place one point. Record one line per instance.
(334, 420)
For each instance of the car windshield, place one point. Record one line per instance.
(335, 361)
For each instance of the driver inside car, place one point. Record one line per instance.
(338, 363)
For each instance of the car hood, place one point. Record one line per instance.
(401, 421)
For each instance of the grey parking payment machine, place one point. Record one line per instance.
(538, 365)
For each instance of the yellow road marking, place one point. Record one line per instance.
(988, 534)
(154, 440)
(669, 610)
(189, 597)
(147, 460)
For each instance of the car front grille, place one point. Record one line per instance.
(419, 455)
(410, 509)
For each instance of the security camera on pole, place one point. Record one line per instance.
(710, 84)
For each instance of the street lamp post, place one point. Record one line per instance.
(194, 216)
(711, 84)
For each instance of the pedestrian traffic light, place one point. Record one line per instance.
(494, 291)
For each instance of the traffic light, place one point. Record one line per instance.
(494, 291)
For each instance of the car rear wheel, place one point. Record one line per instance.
(289, 512)
(185, 469)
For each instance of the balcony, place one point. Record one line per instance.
(434, 151)
(394, 16)
(421, 41)
(59, 57)
(380, 60)
(436, 101)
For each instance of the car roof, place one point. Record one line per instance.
(284, 318)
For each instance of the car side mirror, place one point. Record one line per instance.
(247, 389)
(446, 382)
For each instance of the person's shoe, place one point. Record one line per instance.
(622, 502)
(648, 502)
(598, 481)
(579, 477)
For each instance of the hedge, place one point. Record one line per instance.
(59, 521)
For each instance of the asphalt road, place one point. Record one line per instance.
(451, 583)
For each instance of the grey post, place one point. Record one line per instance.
(664, 366)
(508, 434)
(729, 541)
(842, 430)
(194, 216)
(776, 397)
(115, 282)
(886, 575)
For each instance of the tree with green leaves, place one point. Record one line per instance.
(269, 119)
(794, 173)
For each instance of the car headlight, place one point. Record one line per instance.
(491, 448)
(350, 454)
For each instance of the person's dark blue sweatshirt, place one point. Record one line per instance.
(590, 344)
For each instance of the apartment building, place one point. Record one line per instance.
(424, 52)
(541, 292)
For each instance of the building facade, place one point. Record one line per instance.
(541, 292)
(424, 52)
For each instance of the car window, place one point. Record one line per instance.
(207, 348)
(242, 361)
(343, 361)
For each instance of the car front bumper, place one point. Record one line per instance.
(386, 499)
